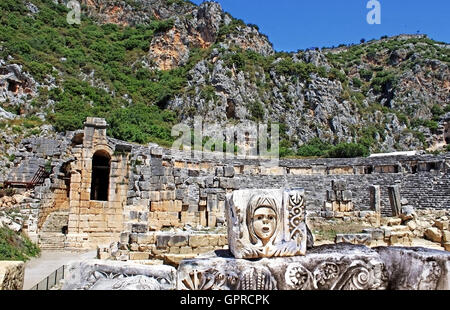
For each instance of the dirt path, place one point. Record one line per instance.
(39, 268)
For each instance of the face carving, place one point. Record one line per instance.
(262, 219)
(264, 223)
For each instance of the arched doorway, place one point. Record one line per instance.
(447, 132)
(101, 166)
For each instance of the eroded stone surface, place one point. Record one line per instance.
(112, 275)
(11, 275)
(330, 267)
(416, 268)
(266, 223)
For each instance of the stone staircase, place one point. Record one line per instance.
(52, 235)
(51, 241)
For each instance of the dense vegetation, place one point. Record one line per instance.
(44, 43)
(15, 246)
(99, 71)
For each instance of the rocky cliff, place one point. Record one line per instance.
(176, 60)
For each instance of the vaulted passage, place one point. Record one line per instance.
(100, 176)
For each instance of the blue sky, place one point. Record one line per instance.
(299, 24)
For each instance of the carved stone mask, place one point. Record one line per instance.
(262, 219)
(264, 223)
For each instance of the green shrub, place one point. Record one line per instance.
(257, 111)
(314, 148)
(432, 125)
(437, 111)
(357, 82)
(337, 74)
(383, 81)
(15, 246)
(299, 70)
(366, 74)
(348, 150)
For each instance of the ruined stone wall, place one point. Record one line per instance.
(174, 190)
(151, 188)
(168, 247)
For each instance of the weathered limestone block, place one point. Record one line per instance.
(266, 223)
(375, 198)
(364, 239)
(338, 185)
(11, 275)
(330, 267)
(395, 199)
(442, 225)
(433, 234)
(113, 275)
(445, 236)
(408, 213)
(347, 195)
(416, 268)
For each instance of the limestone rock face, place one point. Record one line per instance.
(11, 275)
(416, 268)
(112, 275)
(266, 223)
(335, 267)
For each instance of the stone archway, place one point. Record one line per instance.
(101, 167)
(447, 132)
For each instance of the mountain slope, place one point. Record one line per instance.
(144, 65)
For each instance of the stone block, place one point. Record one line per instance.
(395, 199)
(154, 196)
(256, 228)
(162, 241)
(433, 234)
(186, 250)
(331, 195)
(338, 185)
(442, 225)
(157, 170)
(146, 238)
(119, 275)
(394, 222)
(229, 171)
(336, 206)
(425, 264)
(328, 206)
(375, 198)
(139, 228)
(125, 237)
(347, 195)
(219, 171)
(332, 267)
(445, 236)
(12, 275)
(228, 183)
(178, 241)
(193, 173)
(196, 241)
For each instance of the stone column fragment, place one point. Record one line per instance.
(395, 199)
(375, 198)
